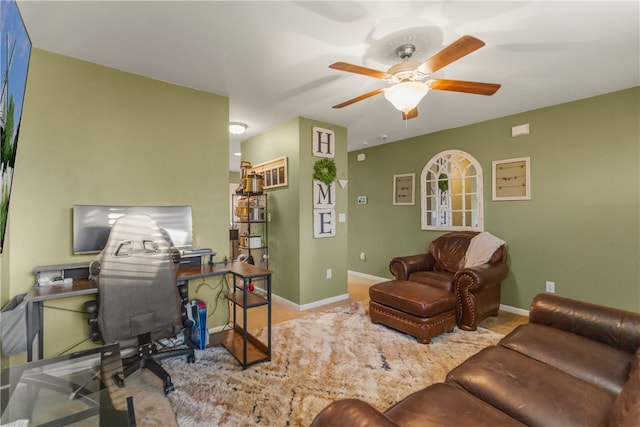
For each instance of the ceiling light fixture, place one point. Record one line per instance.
(405, 96)
(237, 128)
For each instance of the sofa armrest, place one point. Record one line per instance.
(352, 413)
(608, 325)
(401, 267)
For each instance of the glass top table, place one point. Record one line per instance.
(84, 388)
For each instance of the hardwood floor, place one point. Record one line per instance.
(358, 289)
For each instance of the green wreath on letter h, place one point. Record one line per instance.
(325, 171)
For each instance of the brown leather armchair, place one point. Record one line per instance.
(477, 288)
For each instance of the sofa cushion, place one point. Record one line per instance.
(589, 360)
(625, 411)
(446, 405)
(438, 279)
(532, 392)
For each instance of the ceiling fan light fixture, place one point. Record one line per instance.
(237, 128)
(406, 96)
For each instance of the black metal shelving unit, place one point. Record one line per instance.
(245, 297)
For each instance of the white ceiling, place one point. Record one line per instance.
(271, 58)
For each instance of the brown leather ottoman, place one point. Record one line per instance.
(416, 309)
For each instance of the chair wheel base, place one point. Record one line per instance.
(168, 388)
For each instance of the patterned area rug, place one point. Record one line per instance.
(316, 359)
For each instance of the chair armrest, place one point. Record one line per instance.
(482, 279)
(608, 325)
(401, 267)
(352, 413)
(478, 278)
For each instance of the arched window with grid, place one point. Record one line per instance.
(451, 192)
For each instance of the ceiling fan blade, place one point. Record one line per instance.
(359, 98)
(461, 47)
(412, 114)
(462, 86)
(351, 68)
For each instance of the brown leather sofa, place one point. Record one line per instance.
(477, 289)
(573, 364)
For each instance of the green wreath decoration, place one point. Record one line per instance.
(443, 182)
(325, 171)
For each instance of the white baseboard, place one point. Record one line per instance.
(514, 310)
(285, 301)
(311, 305)
(217, 329)
(368, 276)
(324, 302)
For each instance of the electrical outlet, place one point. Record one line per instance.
(551, 287)
(363, 256)
(328, 273)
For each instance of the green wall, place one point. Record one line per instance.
(95, 135)
(297, 260)
(284, 245)
(581, 227)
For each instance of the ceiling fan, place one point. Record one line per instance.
(411, 81)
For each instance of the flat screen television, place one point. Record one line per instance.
(92, 223)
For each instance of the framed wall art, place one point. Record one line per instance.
(512, 179)
(404, 189)
(274, 173)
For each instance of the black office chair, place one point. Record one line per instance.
(138, 301)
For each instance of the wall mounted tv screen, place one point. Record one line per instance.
(92, 223)
(15, 51)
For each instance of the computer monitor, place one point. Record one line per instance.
(92, 223)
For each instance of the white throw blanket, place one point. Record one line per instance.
(481, 248)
